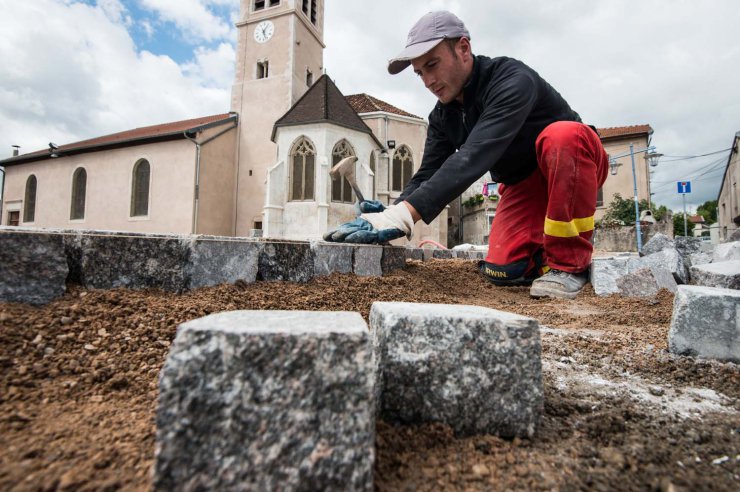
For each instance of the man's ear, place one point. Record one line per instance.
(466, 50)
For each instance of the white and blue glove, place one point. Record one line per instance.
(375, 228)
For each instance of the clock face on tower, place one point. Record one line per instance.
(264, 31)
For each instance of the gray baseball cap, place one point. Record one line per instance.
(427, 33)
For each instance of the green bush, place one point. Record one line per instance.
(621, 211)
(678, 225)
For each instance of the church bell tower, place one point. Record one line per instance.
(280, 53)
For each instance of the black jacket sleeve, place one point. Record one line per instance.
(436, 151)
(506, 106)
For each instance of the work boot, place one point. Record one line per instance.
(559, 284)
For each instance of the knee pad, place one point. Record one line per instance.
(521, 272)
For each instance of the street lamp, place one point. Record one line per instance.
(652, 158)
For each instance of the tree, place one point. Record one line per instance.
(708, 210)
(678, 225)
(622, 210)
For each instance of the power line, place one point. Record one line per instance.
(712, 166)
(674, 158)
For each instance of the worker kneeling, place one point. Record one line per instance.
(497, 115)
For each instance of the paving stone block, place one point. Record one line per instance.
(706, 323)
(33, 266)
(725, 274)
(605, 272)
(656, 244)
(478, 255)
(428, 253)
(110, 260)
(667, 258)
(415, 254)
(394, 258)
(726, 252)
(475, 369)
(367, 261)
(687, 246)
(442, 254)
(331, 257)
(701, 258)
(218, 260)
(646, 282)
(267, 400)
(291, 261)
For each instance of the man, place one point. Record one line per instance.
(499, 116)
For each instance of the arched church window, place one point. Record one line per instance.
(303, 158)
(29, 202)
(341, 191)
(79, 192)
(403, 168)
(140, 189)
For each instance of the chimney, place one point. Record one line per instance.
(16, 150)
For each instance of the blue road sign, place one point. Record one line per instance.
(684, 187)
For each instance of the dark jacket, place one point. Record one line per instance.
(506, 106)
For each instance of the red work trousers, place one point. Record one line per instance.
(553, 209)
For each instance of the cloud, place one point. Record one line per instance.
(79, 74)
(195, 20)
(71, 70)
(672, 65)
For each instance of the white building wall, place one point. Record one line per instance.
(311, 219)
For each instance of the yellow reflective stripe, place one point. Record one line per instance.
(573, 228)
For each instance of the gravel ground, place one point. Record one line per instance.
(79, 387)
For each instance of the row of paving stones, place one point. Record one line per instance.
(36, 264)
(665, 263)
(279, 400)
(425, 254)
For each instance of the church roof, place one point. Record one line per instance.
(323, 103)
(365, 103)
(138, 136)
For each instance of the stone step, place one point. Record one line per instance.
(706, 323)
(475, 369)
(267, 400)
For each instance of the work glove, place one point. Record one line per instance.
(368, 207)
(375, 228)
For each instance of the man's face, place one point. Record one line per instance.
(444, 71)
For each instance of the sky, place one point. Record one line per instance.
(76, 69)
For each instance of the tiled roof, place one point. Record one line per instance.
(696, 219)
(624, 131)
(365, 103)
(162, 131)
(323, 103)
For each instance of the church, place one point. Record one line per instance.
(261, 169)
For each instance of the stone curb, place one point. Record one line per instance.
(36, 264)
